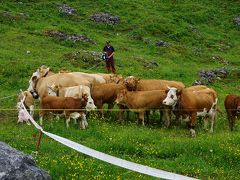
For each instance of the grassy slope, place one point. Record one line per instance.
(214, 156)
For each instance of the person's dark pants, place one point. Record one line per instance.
(110, 65)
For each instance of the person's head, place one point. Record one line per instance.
(108, 42)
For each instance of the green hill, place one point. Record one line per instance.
(153, 39)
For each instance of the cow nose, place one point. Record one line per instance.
(164, 102)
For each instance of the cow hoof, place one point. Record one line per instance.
(193, 133)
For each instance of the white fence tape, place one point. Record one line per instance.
(111, 159)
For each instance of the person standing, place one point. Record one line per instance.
(109, 50)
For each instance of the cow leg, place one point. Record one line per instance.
(67, 118)
(147, 117)
(120, 113)
(193, 118)
(31, 110)
(41, 120)
(213, 117)
(205, 122)
(41, 115)
(166, 117)
(83, 122)
(110, 107)
(84, 119)
(230, 120)
(141, 117)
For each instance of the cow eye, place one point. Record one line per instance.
(172, 96)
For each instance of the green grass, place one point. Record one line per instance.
(186, 25)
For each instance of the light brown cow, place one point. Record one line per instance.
(232, 106)
(192, 102)
(141, 101)
(135, 84)
(106, 93)
(72, 108)
(28, 101)
(40, 85)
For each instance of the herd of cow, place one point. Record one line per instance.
(75, 93)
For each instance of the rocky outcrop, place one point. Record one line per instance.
(66, 9)
(72, 37)
(210, 76)
(16, 165)
(236, 20)
(105, 18)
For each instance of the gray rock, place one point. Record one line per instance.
(72, 37)
(237, 20)
(65, 9)
(162, 44)
(210, 76)
(105, 18)
(16, 165)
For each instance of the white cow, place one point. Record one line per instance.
(75, 91)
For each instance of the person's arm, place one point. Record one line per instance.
(111, 55)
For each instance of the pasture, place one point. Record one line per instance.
(201, 36)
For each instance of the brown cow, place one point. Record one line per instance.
(141, 101)
(192, 102)
(72, 108)
(232, 106)
(135, 84)
(106, 93)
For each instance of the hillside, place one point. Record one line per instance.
(153, 39)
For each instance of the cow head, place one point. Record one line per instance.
(172, 96)
(121, 97)
(116, 78)
(53, 89)
(89, 102)
(237, 105)
(131, 83)
(41, 72)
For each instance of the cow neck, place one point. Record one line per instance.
(129, 99)
(57, 92)
(34, 88)
(178, 102)
(45, 75)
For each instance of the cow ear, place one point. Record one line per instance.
(125, 91)
(85, 96)
(179, 92)
(34, 78)
(166, 91)
(25, 93)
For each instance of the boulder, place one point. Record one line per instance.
(66, 9)
(105, 18)
(16, 165)
(237, 20)
(162, 43)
